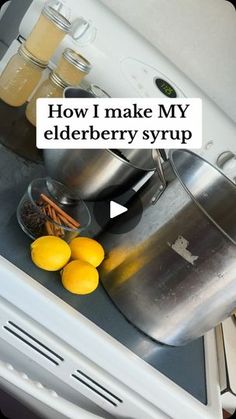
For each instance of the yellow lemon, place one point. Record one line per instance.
(88, 250)
(50, 253)
(80, 277)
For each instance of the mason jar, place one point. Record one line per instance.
(72, 67)
(47, 34)
(20, 77)
(52, 87)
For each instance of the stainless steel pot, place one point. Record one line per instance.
(174, 275)
(98, 174)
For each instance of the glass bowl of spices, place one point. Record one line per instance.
(42, 211)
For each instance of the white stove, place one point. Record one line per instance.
(83, 349)
(47, 340)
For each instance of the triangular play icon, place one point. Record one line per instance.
(116, 209)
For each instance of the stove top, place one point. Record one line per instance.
(184, 365)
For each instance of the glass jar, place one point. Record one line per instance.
(20, 77)
(72, 67)
(52, 87)
(47, 34)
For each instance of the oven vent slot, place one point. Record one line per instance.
(32, 342)
(97, 388)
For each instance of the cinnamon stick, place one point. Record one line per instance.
(50, 214)
(49, 211)
(44, 210)
(66, 222)
(56, 219)
(47, 223)
(62, 213)
(49, 228)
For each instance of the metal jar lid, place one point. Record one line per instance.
(23, 52)
(77, 60)
(57, 80)
(60, 21)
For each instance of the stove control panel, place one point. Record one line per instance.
(148, 81)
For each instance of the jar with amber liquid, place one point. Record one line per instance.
(20, 77)
(47, 34)
(72, 67)
(53, 87)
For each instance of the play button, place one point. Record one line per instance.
(116, 209)
(120, 215)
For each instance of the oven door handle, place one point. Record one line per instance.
(37, 391)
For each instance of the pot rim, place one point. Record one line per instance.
(195, 200)
(153, 169)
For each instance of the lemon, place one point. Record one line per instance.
(80, 277)
(88, 250)
(50, 253)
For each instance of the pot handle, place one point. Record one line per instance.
(156, 155)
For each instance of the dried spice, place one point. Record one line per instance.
(46, 218)
(34, 220)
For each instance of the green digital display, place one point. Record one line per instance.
(166, 88)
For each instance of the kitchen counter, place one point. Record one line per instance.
(184, 365)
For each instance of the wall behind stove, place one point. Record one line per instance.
(199, 36)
